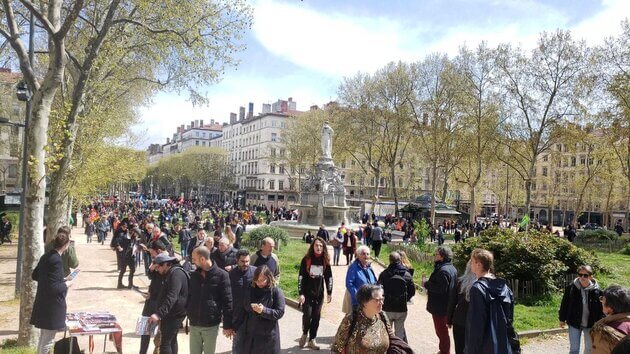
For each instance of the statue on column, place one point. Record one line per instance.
(327, 133)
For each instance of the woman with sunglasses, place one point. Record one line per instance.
(580, 309)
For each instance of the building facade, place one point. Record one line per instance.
(196, 134)
(11, 137)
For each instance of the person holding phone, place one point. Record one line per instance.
(314, 272)
(265, 309)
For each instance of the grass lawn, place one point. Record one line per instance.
(290, 257)
(9, 346)
(420, 268)
(544, 313)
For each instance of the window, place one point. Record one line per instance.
(197, 134)
(272, 184)
(274, 137)
(197, 142)
(573, 161)
(353, 162)
(582, 160)
(12, 171)
(544, 171)
(352, 182)
(273, 152)
(343, 164)
(203, 143)
(545, 158)
(282, 152)
(272, 168)
(281, 169)
(280, 185)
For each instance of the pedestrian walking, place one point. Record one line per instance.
(398, 289)
(359, 272)
(265, 256)
(90, 229)
(580, 309)
(314, 272)
(489, 328)
(608, 332)
(349, 246)
(240, 280)
(439, 287)
(266, 308)
(151, 297)
(377, 239)
(337, 244)
(5, 229)
(127, 244)
(209, 303)
(171, 303)
(458, 308)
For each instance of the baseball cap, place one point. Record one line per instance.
(163, 258)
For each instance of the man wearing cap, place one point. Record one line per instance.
(210, 299)
(171, 303)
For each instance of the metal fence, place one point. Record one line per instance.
(609, 246)
(528, 289)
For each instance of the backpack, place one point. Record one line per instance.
(396, 291)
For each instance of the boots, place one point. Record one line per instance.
(312, 345)
(303, 341)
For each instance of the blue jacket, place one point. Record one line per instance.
(439, 287)
(357, 276)
(491, 310)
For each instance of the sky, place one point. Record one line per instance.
(304, 49)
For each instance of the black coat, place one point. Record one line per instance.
(571, 306)
(439, 286)
(210, 298)
(224, 259)
(383, 278)
(262, 333)
(49, 309)
(240, 282)
(155, 287)
(171, 303)
(457, 307)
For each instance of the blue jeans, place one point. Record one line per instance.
(574, 340)
(336, 253)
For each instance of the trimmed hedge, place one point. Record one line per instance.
(598, 235)
(535, 256)
(255, 237)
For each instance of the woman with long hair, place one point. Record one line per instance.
(264, 306)
(314, 272)
(458, 308)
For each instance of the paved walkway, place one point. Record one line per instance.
(95, 289)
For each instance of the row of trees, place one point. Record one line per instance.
(467, 119)
(195, 172)
(97, 61)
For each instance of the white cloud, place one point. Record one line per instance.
(604, 23)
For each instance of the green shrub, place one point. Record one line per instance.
(14, 218)
(626, 249)
(422, 232)
(596, 235)
(534, 256)
(254, 238)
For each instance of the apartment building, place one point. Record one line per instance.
(11, 137)
(253, 143)
(196, 134)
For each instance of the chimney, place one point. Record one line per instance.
(211, 121)
(168, 141)
(250, 114)
(188, 127)
(266, 108)
(192, 123)
(201, 123)
(178, 130)
(232, 118)
(182, 129)
(241, 113)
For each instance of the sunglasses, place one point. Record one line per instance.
(582, 275)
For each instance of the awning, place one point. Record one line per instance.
(447, 212)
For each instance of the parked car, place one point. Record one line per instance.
(591, 226)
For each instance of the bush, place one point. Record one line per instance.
(538, 257)
(598, 235)
(626, 249)
(255, 237)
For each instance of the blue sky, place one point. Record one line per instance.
(303, 49)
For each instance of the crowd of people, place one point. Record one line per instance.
(216, 285)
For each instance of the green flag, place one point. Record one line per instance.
(524, 221)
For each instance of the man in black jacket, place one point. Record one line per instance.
(439, 287)
(127, 245)
(209, 299)
(398, 289)
(240, 280)
(171, 303)
(323, 233)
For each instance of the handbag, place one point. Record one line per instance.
(62, 346)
